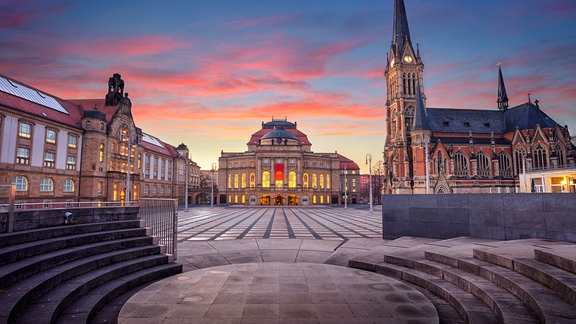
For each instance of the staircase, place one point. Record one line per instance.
(66, 274)
(472, 280)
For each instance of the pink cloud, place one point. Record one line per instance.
(128, 46)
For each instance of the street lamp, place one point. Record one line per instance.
(426, 140)
(125, 137)
(187, 180)
(369, 162)
(212, 190)
(345, 188)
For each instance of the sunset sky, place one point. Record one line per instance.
(207, 73)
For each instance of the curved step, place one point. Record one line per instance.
(16, 298)
(48, 307)
(561, 257)
(7, 239)
(20, 270)
(84, 309)
(19, 252)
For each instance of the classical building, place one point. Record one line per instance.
(279, 168)
(57, 150)
(442, 150)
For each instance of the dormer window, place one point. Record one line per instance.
(446, 123)
(487, 125)
(466, 124)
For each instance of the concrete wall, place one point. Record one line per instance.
(31, 219)
(496, 216)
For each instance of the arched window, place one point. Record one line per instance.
(504, 165)
(21, 183)
(101, 153)
(439, 162)
(252, 180)
(328, 183)
(413, 84)
(292, 179)
(230, 181)
(154, 190)
(560, 154)
(46, 185)
(483, 164)
(539, 157)
(314, 181)
(68, 185)
(519, 160)
(305, 182)
(404, 84)
(243, 180)
(461, 168)
(235, 180)
(161, 190)
(146, 189)
(266, 179)
(409, 118)
(321, 181)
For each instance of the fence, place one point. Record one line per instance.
(161, 215)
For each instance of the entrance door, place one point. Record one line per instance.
(292, 200)
(265, 200)
(279, 200)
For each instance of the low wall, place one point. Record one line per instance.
(495, 216)
(31, 219)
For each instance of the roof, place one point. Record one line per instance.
(526, 116)
(400, 32)
(446, 120)
(347, 163)
(288, 127)
(279, 132)
(420, 118)
(154, 144)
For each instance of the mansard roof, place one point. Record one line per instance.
(346, 162)
(526, 116)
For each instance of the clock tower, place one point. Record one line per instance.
(403, 74)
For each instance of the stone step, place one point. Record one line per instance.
(86, 307)
(19, 270)
(14, 253)
(563, 257)
(48, 307)
(14, 299)
(469, 307)
(547, 304)
(7, 239)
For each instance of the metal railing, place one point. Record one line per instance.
(161, 216)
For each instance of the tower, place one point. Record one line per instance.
(403, 77)
(502, 97)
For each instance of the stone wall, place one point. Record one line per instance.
(31, 219)
(496, 216)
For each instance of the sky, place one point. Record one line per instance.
(208, 73)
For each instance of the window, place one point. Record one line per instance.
(146, 189)
(291, 179)
(265, 162)
(236, 181)
(162, 190)
(71, 163)
(68, 185)
(99, 186)
(560, 154)
(154, 189)
(540, 157)
(88, 124)
(139, 161)
(49, 159)
(168, 190)
(243, 180)
(101, 153)
(483, 164)
(266, 179)
(229, 181)
(305, 181)
(314, 181)
(72, 141)
(252, 180)
(504, 165)
(409, 118)
(460, 165)
(46, 185)
(50, 136)
(23, 155)
(21, 183)
(520, 163)
(292, 162)
(328, 185)
(25, 130)
(321, 181)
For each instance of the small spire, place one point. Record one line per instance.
(400, 30)
(420, 115)
(529, 100)
(502, 96)
(417, 49)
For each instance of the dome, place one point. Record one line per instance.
(280, 132)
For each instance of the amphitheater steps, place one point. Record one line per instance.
(65, 274)
(513, 284)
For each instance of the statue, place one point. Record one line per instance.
(115, 90)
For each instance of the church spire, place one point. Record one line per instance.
(400, 32)
(502, 97)
(420, 116)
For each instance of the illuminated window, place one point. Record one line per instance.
(49, 158)
(292, 179)
(68, 185)
(236, 181)
(23, 155)
(314, 181)
(305, 180)
(21, 183)
(25, 130)
(314, 199)
(266, 179)
(235, 199)
(139, 161)
(50, 136)
(101, 153)
(229, 181)
(321, 199)
(46, 185)
(252, 180)
(243, 199)
(321, 181)
(71, 163)
(328, 185)
(72, 141)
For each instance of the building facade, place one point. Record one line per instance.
(57, 150)
(442, 150)
(279, 168)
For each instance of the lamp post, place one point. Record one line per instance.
(212, 189)
(369, 162)
(126, 138)
(345, 188)
(187, 181)
(426, 140)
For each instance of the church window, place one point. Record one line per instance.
(461, 164)
(483, 164)
(413, 84)
(243, 180)
(404, 84)
(252, 180)
(409, 118)
(504, 165)
(292, 179)
(266, 179)
(519, 160)
(439, 162)
(540, 157)
(305, 181)
(560, 154)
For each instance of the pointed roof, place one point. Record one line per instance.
(400, 31)
(502, 96)
(420, 115)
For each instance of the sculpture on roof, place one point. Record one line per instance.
(115, 90)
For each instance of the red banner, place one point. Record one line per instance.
(279, 171)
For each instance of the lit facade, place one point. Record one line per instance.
(279, 168)
(445, 150)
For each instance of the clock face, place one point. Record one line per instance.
(407, 58)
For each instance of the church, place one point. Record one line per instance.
(446, 150)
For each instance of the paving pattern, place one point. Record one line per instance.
(323, 223)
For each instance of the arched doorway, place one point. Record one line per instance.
(292, 200)
(265, 200)
(279, 200)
